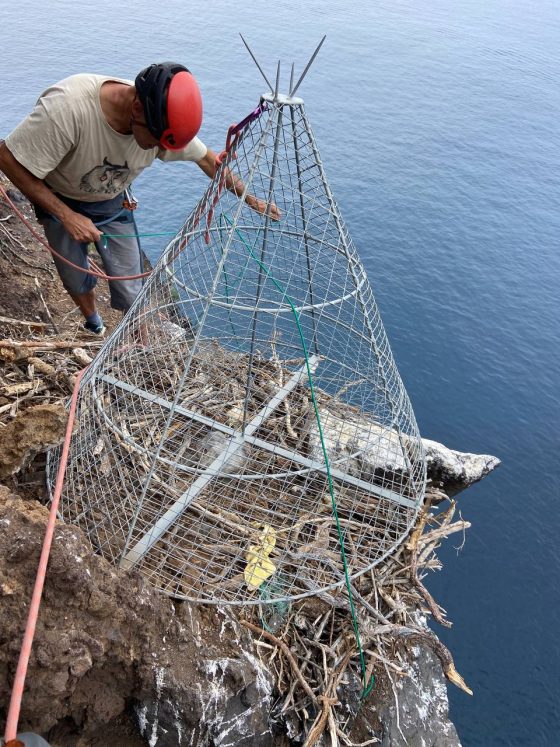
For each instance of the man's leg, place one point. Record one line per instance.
(78, 284)
(85, 302)
(121, 258)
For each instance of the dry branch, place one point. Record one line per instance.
(45, 345)
(429, 639)
(287, 653)
(21, 322)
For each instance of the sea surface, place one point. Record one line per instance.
(438, 125)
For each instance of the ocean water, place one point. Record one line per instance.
(437, 123)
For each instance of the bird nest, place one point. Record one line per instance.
(165, 483)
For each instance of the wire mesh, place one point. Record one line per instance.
(198, 459)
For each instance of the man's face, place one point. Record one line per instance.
(143, 136)
(140, 130)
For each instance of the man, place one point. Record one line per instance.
(78, 151)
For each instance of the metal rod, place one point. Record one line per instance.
(291, 78)
(277, 81)
(261, 271)
(149, 539)
(304, 228)
(315, 53)
(294, 456)
(256, 62)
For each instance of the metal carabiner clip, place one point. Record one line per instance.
(129, 201)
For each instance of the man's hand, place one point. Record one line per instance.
(263, 207)
(80, 228)
(209, 164)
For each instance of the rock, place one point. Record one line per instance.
(225, 705)
(454, 471)
(191, 671)
(380, 449)
(31, 431)
(16, 196)
(423, 708)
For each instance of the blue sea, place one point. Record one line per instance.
(438, 124)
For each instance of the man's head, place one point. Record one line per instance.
(170, 101)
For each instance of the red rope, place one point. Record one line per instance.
(19, 681)
(94, 270)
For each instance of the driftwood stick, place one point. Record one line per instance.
(46, 345)
(372, 611)
(81, 356)
(332, 728)
(443, 532)
(328, 701)
(22, 388)
(287, 653)
(429, 639)
(344, 738)
(320, 722)
(434, 608)
(383, 660)
(307, 656)
(41, 366)
(22, 322)
(47, 310)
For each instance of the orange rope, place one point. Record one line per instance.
(19, 681)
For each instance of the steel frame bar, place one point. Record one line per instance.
(313, 465)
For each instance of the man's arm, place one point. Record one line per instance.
(235, 184)
(78, 226)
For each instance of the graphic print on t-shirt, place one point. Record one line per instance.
(108, 178)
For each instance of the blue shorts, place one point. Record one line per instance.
(121, 256)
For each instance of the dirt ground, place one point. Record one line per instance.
(31, 292)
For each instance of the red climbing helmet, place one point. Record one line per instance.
(172, 103)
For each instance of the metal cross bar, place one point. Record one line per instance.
(376, 490)
(153, 534)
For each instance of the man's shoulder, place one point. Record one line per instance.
(80, 80)
(78, 86)
(81, 84)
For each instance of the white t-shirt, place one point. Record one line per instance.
(67, 142)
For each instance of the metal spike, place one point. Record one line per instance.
(256, 62)
(277, 81)
(291, 78)
(315, 53)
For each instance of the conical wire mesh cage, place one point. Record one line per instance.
(247, 416)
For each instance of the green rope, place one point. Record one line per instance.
(367, 686)
(136, 235)
(105, 236)
(227, 282)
